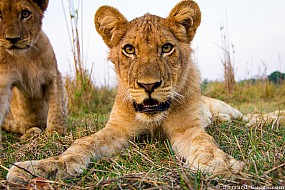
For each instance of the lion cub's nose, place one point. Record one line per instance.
(13, 39)
(149, 87)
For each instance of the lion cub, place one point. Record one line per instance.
(158, 91)
(31, 88)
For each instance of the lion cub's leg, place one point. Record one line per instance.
(23, 118)
(4, 106)
(5, 96)
(190, 142)
(217, 109)
(74, 160)
(57, 106)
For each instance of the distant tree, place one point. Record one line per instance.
(276, 77)
(204, 84)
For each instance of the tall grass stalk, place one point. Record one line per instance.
(83, 95)
(75, 41)
(227, 60)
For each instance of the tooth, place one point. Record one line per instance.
(149, 106)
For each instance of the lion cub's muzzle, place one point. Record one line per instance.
(150, 104)
(15, 42)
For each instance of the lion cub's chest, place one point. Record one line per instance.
(33, 77)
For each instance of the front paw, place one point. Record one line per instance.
(23, 172)
(51, 168)
(55, 128)
(215, 162)
(31, 133)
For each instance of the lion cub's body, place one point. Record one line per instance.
(158, 90)
(31, 89)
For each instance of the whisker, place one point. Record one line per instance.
(177, 94)
(177, 97)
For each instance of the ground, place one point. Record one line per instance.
(151, 164)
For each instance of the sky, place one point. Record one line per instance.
(256, 29)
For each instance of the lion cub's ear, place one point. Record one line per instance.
(43, 4)
(110, 24)
(184, 19)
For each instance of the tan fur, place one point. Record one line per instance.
(274, 118)
(213, 109)
(148, 71)
(31, 89)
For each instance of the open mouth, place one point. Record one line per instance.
(151, 105)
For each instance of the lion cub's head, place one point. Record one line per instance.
(151, 56)
(20, 23)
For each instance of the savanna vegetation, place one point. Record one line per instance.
(150, 163)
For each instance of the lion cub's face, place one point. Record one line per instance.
(151, 55)
(149, 65)
(20, 23)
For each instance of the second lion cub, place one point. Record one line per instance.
(31, 89)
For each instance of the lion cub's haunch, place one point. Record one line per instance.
(31, 89)
(158, 91)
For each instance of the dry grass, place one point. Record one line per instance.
(151, 164)
(88, 98)
(248, 92)
(227, 60)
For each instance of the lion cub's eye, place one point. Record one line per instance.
(25, 14)
(129, 49)
(167, 48)
(1, 16)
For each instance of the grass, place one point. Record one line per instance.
(150, 163)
